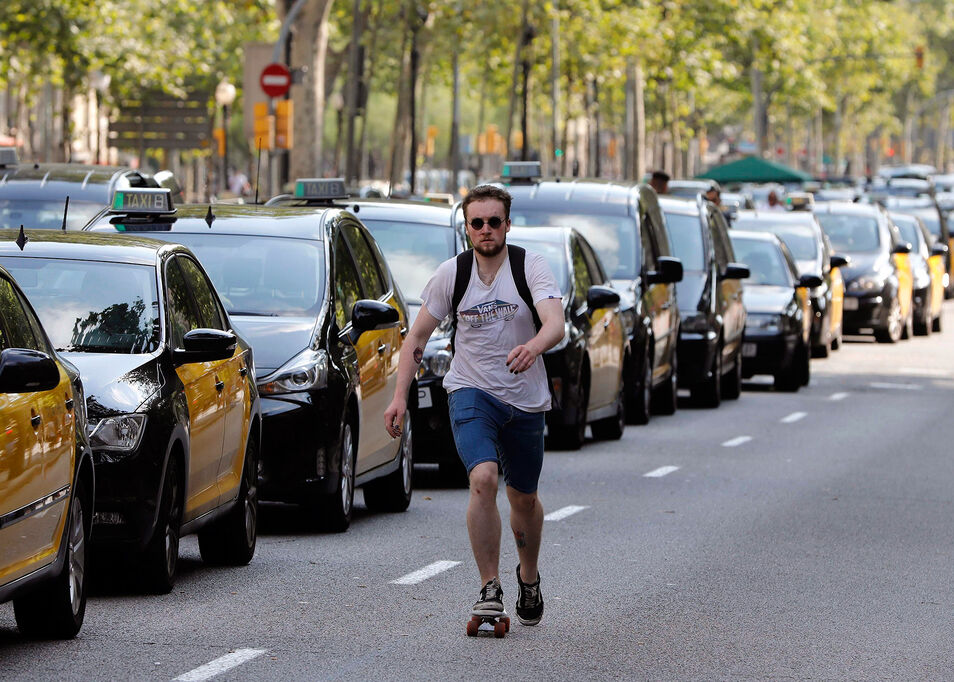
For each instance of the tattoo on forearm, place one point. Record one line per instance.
(521, 538)
(418, 355)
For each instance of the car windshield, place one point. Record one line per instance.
(685, 234)
(256, 275)
(851, 233)
(613, 237)
(799, 239)
(413, 251)
(909, 232)
(764, 260)
(555, 254)
(930, 218)
(46, 215)
(92, 306)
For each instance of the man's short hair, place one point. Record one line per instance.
(487, 192)
(660, 176)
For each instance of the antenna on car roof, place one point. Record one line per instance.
(66, 210)
(22, 239)
(258, 168)
(209, 217)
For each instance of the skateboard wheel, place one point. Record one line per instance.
(473, 625)
(506, 622)
(500, 629)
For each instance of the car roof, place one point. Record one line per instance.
(400, 210)
(755, 236)
(847, 208)
(575, 195)
(686, 205)
(236, 219)
(541, 234)
(76, 245)
(79, 181)
(778, 217)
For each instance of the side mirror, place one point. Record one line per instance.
(27, 371)
(736, 271)
(809, 282)
(939, 249)
(205, 345)
(669, 271)
(839, 261)
(903, 247)
(368, 315)
(601, 297)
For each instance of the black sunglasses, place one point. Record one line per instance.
(478, 223)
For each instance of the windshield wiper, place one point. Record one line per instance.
(252, 314)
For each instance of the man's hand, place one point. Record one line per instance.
(521, 358)
(394, 417)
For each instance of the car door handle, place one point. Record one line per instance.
(666, 306)
(244, 371)
(381, 349)
(219, 385)
(69, 404)
(606, 323)
(403, 332)
(35, 421)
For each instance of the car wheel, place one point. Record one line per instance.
(936, 325)
(162, 552)
(732, 382)
(611, 428)
(922, 326)
(640, 396)
(666, 397)
(907, 329)
(335, 509)
(805, 368)
(392, 493)
(836, 340)
(892, 332)
(789, 378)
(57, 610)
(231, 541)
(572, 436)
(709, 392)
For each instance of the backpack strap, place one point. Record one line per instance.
(518, 258)
(465, 265)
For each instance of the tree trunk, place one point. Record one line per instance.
(399, 134)
(371, 56)
(309, 47)
(516, 77)
(943, 133)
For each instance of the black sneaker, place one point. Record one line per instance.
(530, 602)
(491, 600)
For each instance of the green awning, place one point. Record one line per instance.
(754, 169)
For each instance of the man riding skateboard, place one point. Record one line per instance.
(507, 311)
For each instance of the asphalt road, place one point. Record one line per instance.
(793, 536)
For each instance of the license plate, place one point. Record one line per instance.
(749, 350)
(424, 397)
(850, 303)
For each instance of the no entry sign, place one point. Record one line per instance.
(275, 80)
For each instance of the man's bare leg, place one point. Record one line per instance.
(483, 520)
(526, 522)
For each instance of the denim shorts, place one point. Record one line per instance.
(488, 430)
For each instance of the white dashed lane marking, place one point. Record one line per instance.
(220, 665)
(895, 387)
(838, 396)
(560, 514)
(660, 472)
(794, 417)
(734, 442)
(423, 574)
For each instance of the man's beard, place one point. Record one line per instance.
(489, 249)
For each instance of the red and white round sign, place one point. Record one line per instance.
(275, 80)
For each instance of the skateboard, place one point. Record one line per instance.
(498, 624)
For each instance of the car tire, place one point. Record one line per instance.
(805, 368)
(641, 390)
(732, 382)
(907, 330)
(231, 541)
(936, 325)
(335, 509)
(922, 327)
(571, 436)
(56, 611)
(789, 379)
(709, 392)
(162, 552)
(611, 428)
(892, 332)
(392, 493)
(666, 396)
(836, 341)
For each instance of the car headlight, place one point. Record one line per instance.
(764, 322)
(306, 371)
(120, 433)
(867, 283)
(695, 324)
(436, 363)
(628, 317)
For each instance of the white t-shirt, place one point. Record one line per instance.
(492, 320)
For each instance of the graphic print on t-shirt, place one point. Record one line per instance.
(488, 312)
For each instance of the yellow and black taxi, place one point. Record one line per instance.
(626, 228)
(173, 410)
(35, 194)
(710, 300)
(311, 291)
(46, 476)
(927, 270)
(778, 328)
(586, 367)
(415, 237)
(936, 214)
(878, 280)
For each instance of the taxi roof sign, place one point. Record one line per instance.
(324, 189)
(143, 201)
(9, 157)
(522, 170)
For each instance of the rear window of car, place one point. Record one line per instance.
(413, 251)
(851, 233)
(687, 239)
(765, 261)
(799, 239)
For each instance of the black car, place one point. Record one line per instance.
(625, 227)
(778, 328)
(804, 237)
(311, 291)
(415, 237)
(173, 413)
(710, 300)
(877, 287)
(34, 194)
(586, 367)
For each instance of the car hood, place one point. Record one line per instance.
(760, 298)
(116, 383)
(690, 290)
(274, 340)
(863, 263)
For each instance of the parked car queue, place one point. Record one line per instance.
(241, 328)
